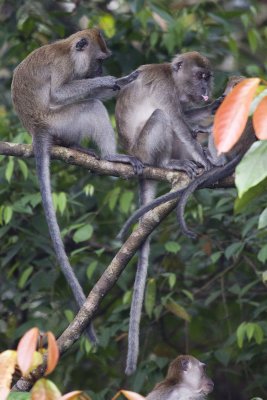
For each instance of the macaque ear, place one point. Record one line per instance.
(81, 44)
(185, 364)
(177, 66)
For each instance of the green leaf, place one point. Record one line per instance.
(250, 327)
(9, 169)
(240, 334)
(177, 310)
(247, 175)
(172, 247)
(7, 214)
(69, 314)
(264, 278)
(89, 190)
(150, 297)
(263, 219)
(83, 233)
(247, 198)
(91, 269)
(62, 201)
(19, 396)
(23, 168)
(24, 277)
(171, 280)
(262, 254)
(126, 201)
(113, 198)
(234, 250)
(54, 199)
(258, 334)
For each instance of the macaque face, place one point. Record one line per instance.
(195, 377)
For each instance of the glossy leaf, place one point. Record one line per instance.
(260, 120)
(83, 233)
(26, 348)
(8, 360)
(247, 176)
(75, 395)
(178, 310)
(150, 297)
(231, 117)
(45, 390)
(129, 395)
(52, 353)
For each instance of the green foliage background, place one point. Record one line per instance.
(207, 297)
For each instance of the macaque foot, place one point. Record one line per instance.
(184, 165)
(137, 165)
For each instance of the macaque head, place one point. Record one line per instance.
(88, 51)
(190, 373)
(192, 74)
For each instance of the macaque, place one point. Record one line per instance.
(186, 380)
(57, 92)
(223, 166)
(152, 127)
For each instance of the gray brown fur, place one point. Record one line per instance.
(186, 380)
(57, 92)
(152, 126)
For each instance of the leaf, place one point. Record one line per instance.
(36, 360)
(9, 169)
(247, 175)
(24, 277)
(242, 203)
(129, 395)
(61, 202)
(45, 390)
(75, 395)
(150, 297)
(23, 168)
(240, 334)
(83, 233)
(258, 334)
(259, 119)
(113, 198)
(264, 278)
(18, 396)
(126, 201)
(234, 249)
(172, 247)
(250, 327)
(52, 353)
(262, 254)
(7, 214)
(26, 348)
(8, 360)
(171, 280)
(178, 310)
(231, 117)
(263, 219)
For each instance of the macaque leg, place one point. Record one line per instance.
(90, 119)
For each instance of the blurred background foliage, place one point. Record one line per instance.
(208, 297)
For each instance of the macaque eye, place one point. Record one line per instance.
(205, 76)
(81, 44)
(179, 65)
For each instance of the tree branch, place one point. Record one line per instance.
(73, 332)
(101, 167)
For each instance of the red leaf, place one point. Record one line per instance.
(52, 353)
(26, 348)
(129, 395)
(260, 120)
(231, 117)
(71, 395)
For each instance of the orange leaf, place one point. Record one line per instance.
(52, 353)
(260, 120)
(231, 117)
(129, 395)
(26, 349)
(8, 360)
(45, 390)
(72, 395)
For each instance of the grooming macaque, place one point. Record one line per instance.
(186, 380)
(224, 165)
(57, 92)
(152, 126)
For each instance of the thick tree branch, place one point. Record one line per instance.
(100, 167)
(73, 332)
